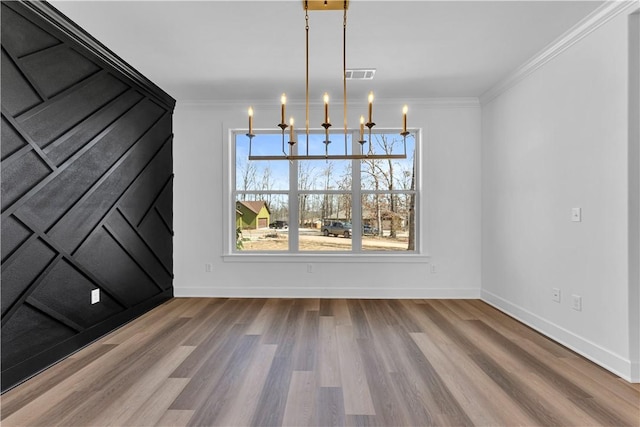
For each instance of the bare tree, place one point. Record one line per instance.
(387, 146)
(372, 172)
(345, 184)
(306, 177)
(266, 184)
(327, 203)
(380, 174)
(248, 176)
(392, 202)
(390, 175)
(412, 208)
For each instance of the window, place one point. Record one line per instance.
(328, 206)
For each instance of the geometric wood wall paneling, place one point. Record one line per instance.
(86, 192)
(15, 27)
(65, 279)
(164, 206)
(19, 272)
(154, 230)
(11, 139)
(17, 94)
(56, 69)
(128, 281)
(127, 235)
(13, 234)
(68, 183)
(106, 193)
(68, 144)
(20, 174)
(30, 329)
(50, 119)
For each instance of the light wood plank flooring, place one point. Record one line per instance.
(309, 362)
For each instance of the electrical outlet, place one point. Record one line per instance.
(576, 214)
(309, 268)
(576, 302)
(208, 267)
(434, 270)
(555, 294)
(95, 296)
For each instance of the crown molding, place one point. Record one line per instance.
(454, 102)
(594, 20)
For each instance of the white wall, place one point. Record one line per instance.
(450, 205)
(558, 139)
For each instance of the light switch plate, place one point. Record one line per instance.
(95, 296)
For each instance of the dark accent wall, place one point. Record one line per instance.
(86, 190)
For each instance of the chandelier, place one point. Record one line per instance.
(368, 153)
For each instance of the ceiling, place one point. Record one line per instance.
(254, 50)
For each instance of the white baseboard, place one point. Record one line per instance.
(334, 292)
(597, 354)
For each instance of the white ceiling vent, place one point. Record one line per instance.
(360, 73)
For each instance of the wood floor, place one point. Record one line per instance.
(297, 362)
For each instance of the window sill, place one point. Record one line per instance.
(327, 258)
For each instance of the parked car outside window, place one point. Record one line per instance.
(279, 224)
(369, 230)
(337, 228)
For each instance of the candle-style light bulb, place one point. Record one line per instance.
(370, 107)
(326, 107)
(361, 128)
(291, 129)
(250, 120)
(404, 118)
(283, 100)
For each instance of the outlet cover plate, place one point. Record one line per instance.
(555, 294)
(576, 302)
(576, 214)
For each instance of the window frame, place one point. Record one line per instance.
(230, 253)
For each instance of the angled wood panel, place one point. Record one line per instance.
(14, 30)
(73, 140)
(18, 94)
(11, 140)
(21, 271)
(30, 328)
(13, 234)
(49, 120)
(86, 190)
(55, 70)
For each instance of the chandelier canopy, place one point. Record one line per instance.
(327, 5)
